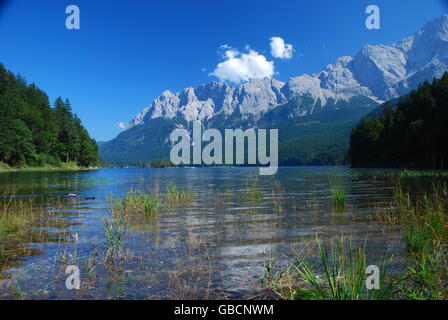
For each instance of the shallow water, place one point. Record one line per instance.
(211, 247)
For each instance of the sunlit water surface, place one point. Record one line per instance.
(214, 246)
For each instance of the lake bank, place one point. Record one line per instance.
(4, 168)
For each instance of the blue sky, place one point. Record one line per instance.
(128, 52)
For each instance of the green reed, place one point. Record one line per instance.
(136, 202)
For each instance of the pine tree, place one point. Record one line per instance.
(34, 133)
(411, 135)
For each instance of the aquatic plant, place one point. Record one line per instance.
(114, 233)
(136, 202)
(336, 184)
(341, 275)
(16, 214)
(338, 198)
(253, 194)
(178, 195)
(423, 221)
(423, 218)
(228, 193)
(426, 279)
(278, 196)
(252, 191)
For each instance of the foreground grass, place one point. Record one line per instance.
(423, 220)
(340, 275)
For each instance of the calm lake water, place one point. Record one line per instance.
(211, 247)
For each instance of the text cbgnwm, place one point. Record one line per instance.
(234, 141)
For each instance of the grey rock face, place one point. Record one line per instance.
(380, 72)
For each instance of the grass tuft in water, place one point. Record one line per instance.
(252, 192)
(423, 220)
(340, 275)
(114, 232)
(278, 196)
(338, 198)
(16, 214)
(178, 195)
(254, 195)
(338, 194)
(136, 202)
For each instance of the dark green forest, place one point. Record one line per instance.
(33, 133)
(411, 135)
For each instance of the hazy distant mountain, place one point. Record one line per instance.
(376, 74)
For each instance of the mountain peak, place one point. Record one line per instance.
(379, 72)
(438, 24)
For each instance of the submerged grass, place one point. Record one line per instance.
(423, 218)
(136, 202)
(174, 194)
(114, 232)
(19, 218)
(149, 202)
(252, 191)
(278, 196)
(423, 221)
(16, 214)
(341, 275)
(338, 197)
(338, 194)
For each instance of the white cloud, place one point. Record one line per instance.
(281, 50)
(240, 67)
(122, 125)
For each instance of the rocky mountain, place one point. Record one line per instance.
(376, 74)
(380, 72)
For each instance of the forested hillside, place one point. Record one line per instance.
(35, 134)
(318, 139)
(413, 135)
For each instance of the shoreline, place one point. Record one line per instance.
(45, 169)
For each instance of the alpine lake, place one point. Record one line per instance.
(215, 242)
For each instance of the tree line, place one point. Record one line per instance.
(412, 135)
(34, 133)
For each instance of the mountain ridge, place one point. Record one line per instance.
(380, 72)
(349, 89)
